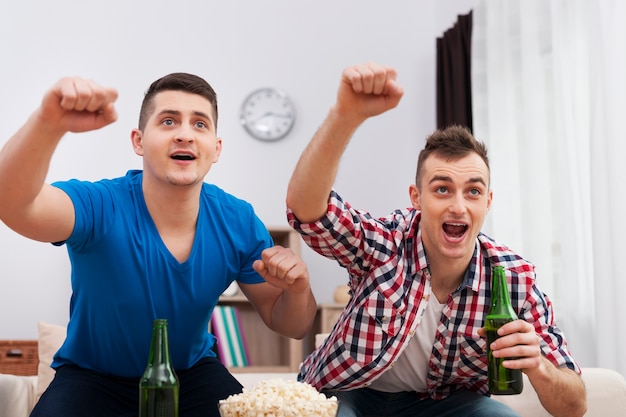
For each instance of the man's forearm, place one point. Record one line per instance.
(293, 314)
(560, 390)
(24, 164)
(315, 172)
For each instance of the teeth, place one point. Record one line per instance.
(182, 156)
(455, 229)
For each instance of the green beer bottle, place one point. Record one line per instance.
(502, 381)
(158, 387)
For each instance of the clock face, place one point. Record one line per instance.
(268, 114)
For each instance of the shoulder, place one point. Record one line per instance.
(234, 218)
(108, 185)
(397, 220)
(497, 253)
(216, 196)
(237, 214)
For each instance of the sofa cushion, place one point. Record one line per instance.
(606, 395)
(17, 395)
(51, 337)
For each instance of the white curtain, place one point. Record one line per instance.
(549, 93)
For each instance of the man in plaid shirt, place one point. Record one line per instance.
(410, 341)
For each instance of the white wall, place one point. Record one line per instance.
(237, 46)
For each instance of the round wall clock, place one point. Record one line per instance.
(268, 114)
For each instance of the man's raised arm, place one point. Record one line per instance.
(365, 91)
(28, 205)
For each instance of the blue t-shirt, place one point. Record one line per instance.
(124, 277)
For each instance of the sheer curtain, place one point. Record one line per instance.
(548, 95)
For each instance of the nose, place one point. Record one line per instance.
(184, 134)
(457, 205)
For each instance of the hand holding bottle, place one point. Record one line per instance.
(512, 343)
(502, 379)
(517, 340)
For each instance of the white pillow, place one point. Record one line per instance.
(51, 337)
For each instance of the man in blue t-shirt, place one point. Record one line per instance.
(155, 243)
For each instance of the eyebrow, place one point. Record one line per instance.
(446, 178)
(178, 113)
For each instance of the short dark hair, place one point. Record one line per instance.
(451, 143)
(177, 81)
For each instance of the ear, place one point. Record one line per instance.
(136, 137)
(218, 149)
(489, 199)
(414, 195)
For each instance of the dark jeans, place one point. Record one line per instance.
(366, 402)
(78, 392)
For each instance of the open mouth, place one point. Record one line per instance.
(454, 230)
(183, 157)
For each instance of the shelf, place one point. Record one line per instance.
(286, 237)
(266, 348)
(262, 369)
(269, 351)
(328, 316)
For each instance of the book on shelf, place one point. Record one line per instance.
(231, 343)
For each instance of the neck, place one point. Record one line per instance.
(446, 276)
(174, 211)
(172, 205)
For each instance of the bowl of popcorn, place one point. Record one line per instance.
(279, 398)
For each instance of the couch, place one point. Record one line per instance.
(606, 388)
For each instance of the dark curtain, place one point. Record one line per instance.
(454, 84)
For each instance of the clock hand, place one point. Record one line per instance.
(270, 113)
(261, 116)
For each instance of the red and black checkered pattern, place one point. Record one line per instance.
(390, 286)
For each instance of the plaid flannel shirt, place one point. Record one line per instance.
(390, 288)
